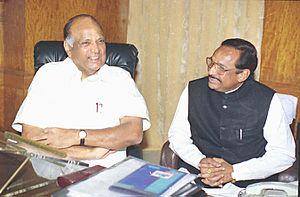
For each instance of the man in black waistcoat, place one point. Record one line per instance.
(229, 127)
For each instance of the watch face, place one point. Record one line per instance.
(82, 134)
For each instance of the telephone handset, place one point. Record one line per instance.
(273, 189)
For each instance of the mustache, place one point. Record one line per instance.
(211, 76)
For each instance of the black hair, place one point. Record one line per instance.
(248, 54)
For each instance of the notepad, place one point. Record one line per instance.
(106, 183)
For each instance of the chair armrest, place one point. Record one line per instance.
(290, 174)
(135, 151)
(167, 157)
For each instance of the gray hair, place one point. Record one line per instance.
(70, 40)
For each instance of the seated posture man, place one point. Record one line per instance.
(229, 127)
(88, 109)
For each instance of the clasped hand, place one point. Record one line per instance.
(215, 172)
(56, 137)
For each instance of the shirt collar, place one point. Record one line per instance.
(234, 89)
(78, 73)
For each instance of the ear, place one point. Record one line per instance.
(67, 48)
(243, 75)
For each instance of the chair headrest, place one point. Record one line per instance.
(117, 54)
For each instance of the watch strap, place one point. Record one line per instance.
(82, 141)
(82, 136)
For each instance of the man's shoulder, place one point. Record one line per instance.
(260, 85)
(114, 72)
(54, 67)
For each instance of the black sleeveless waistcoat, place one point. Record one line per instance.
(228, 126)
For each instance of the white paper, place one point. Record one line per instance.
(98, 185)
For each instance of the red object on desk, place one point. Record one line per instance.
(63, 181)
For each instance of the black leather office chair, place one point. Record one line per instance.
(122, 55)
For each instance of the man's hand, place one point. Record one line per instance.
(215, 171)
(59, 138)
(67, 140)
(84, 152)
(128, 132)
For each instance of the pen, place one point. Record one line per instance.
(241, 134)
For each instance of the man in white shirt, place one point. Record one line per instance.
(82, 106)
(229, 127)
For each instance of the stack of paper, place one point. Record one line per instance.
(128, 177)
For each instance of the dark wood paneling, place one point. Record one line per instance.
(1, 63)
(280, 64)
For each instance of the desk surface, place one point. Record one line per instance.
(24, 179)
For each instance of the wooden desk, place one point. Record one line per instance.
(25, 178)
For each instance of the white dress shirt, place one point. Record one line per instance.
(280, 148)
(57, 97)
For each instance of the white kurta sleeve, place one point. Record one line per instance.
(180, 134)
(133, 103)
(280, 148)
(35, 107)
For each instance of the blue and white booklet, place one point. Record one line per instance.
(129, 177)
(151, 179)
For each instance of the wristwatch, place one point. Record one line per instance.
(82, 136)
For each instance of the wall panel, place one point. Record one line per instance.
(174, 37)
(1, 63)
(280, 64)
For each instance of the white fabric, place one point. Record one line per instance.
(57, 97)
(228, 190)
(289, 104)
(280, 148)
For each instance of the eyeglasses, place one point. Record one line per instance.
(219, 67)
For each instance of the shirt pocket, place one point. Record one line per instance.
(240, 136)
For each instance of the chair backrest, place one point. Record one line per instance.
(117, 54)
(168, 158)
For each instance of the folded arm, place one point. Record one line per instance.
(98, 142)
(280, 153)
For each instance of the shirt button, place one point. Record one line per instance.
(224, 106)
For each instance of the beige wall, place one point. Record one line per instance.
(173, 38)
